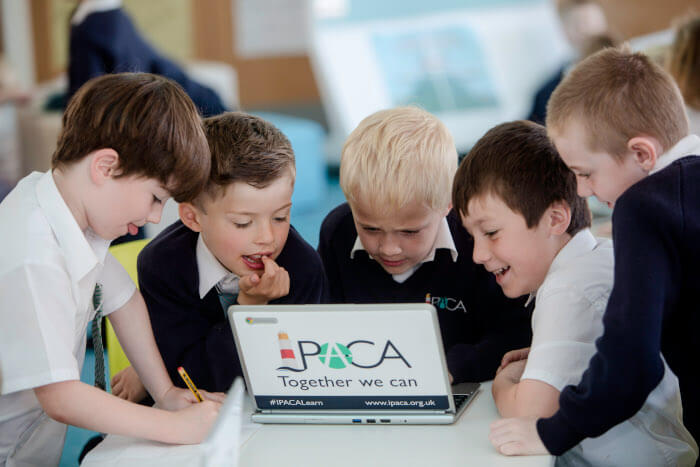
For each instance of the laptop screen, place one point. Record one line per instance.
(342, 357)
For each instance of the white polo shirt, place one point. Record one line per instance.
(48, 271)
(567, 319)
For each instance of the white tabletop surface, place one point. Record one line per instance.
(463, 443)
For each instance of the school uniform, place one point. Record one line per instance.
(653, 307)
(477, 322)
(565, 324)
(48, 272)
(182, 281)
(103, 39)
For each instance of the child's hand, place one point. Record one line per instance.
(513, 371)
(517, 436)
(513, 356)
(178, 398)
(258, 290)
(127, 385)
(192, 424)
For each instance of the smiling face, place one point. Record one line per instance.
(400, 240)
(518, 256)
(597, 173)
(245, 223)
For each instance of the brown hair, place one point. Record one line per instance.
(148, 120)
(618, 95)
(684, 60)
(245, 148)
(517, 162)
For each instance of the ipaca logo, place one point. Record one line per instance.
(332, 355)
(445, 303)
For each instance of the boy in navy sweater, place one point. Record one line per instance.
(396, 240)
(233, 244)
(518, 200)
(619, 123)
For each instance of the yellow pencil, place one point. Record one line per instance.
(189, 383)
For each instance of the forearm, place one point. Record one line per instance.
(133, 328)
(516, 397)
(504, 391)
(76, 403)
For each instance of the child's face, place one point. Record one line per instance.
(518, 256)
(248, 223)
(400, 240)
(126, 204)
(597, 173)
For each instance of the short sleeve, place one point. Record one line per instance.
(38, 319)
(117, 286)
(565, 326)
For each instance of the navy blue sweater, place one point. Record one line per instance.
(107, 42)
(194, 332)
(478, 323)
(653, 308)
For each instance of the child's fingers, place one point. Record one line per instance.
(213, 396)
(271, 266)
(248, 282)
(118, 389)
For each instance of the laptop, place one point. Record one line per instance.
(346, 364)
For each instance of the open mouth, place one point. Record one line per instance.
(132, 228)
(254, 261)
(500, 273)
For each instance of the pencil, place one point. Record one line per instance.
(189, 383)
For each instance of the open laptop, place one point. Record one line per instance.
(346, 364)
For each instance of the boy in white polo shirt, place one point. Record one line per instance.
(128, 142)
(519, 201)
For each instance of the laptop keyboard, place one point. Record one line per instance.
(460, 400)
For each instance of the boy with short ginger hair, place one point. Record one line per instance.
(128, 142)
(619, 124)
(518, 200)
(233, 245)
(397, 241)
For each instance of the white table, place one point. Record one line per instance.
(463, 443)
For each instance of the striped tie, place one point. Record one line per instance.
(97, 338)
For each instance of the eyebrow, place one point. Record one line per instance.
(420, 227)
(247, 213)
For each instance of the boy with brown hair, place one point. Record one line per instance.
(619, 124)
(233, 245)
(518, 200)
(397, 240)
(129, 141)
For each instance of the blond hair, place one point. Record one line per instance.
(398, 156)
(617, 95)
(684, 60)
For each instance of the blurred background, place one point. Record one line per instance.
(315, 68)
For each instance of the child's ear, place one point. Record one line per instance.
(189, 214)
(645, 150)
(103, 165)
(559, 217)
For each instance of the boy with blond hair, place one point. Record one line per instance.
(129, 141)
(396, 240)
(518, 200)
(233, 245)
(618, 122)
